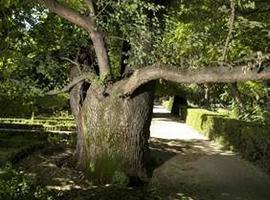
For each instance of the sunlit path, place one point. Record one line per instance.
(169, 129)
(190, 166)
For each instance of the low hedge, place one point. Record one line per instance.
(251, 140)
(49, 121)
(21, 126)
(38, 124)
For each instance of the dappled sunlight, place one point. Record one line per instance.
(55, 170)
(64, 187)
(212, 177)
(177, 137)
(160, 109)
(66, 182)
(185, 164)
(173, 130)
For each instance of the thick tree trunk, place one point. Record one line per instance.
(113, 134)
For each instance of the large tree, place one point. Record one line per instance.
(111, 94)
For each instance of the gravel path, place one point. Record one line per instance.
(191, 167)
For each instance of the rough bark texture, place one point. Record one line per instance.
(74, 99)
(113, 134)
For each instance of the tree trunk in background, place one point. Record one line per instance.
(113, 134)
(179, 107)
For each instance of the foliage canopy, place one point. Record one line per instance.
(186, 34)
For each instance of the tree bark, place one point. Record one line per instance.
(204, 75)
(87, 23)
(113, 134)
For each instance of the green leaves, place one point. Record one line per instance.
(195, 32)
(186, 34)
(8, 3)
(134, 21)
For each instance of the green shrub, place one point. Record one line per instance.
(197, 118)
(49, 105)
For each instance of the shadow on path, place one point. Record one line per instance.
(191, 167)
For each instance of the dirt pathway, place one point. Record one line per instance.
(191, 167)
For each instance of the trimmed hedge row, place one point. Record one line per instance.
(39, 127)
(38, 124)
(47, 121)
(22, 126)
(251, 140)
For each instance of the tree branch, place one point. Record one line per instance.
(234, 88)
(102, 53)
(231, 24)
(205, 75)
(76, 64)
(104, 8)
(74, 82)
(88, 23)
(69, 14)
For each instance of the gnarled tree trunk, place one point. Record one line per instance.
(113, 134)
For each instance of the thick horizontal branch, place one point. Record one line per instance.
(74, 82)
(69, 14)
(205, 75)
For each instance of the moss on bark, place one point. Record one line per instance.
(113, 135)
